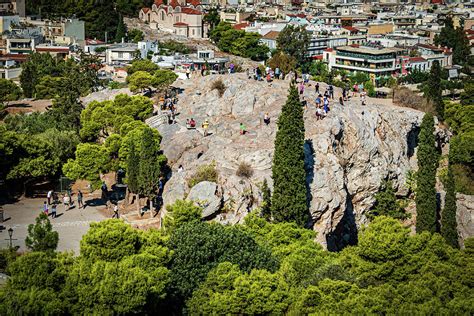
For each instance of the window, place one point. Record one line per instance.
(162, 16)
(193, 32)
(120, 55)
(177, 18)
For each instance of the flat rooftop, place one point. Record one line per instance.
(369, 50)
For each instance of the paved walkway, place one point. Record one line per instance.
(70, 225)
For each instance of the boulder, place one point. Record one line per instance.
(204, 194)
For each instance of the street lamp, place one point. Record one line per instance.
(10, 233)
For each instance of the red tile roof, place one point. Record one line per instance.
(52, 49)
(180, 24)
(318, 57)
(432, 47)
(146, 10)
(240, 26)
(194, 3)
(94, 42)
(417, 59)
(191, 11)
(158, 2)
(329, 49)
(351, 28)
(272, 35)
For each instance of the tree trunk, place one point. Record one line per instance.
(137, 200)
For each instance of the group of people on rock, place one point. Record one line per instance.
(268, 74)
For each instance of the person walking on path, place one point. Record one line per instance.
(49, 196)
(79, 199)
(104, 190)
(45, 207)
(316, 87)
(53, 210)
(326, 105)
(66, 202)
(116, 211)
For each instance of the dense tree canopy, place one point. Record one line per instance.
(254, 268)
(238, 42)
(294, 41)
(456, 39)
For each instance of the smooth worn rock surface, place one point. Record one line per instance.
(465, 217)
(205, 195)
(348, 153)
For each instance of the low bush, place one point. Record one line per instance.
(219, 86)
(244, 170)
(204, 173)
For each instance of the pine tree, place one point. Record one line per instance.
(121, 31)
(426, 203)
(267, 201)
(434, 90)
(289, 178)
(149, 166)
(41, 236)
(386, 203)
(448, 217)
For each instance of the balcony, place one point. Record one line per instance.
(365, 56)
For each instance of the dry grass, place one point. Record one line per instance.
(407, 98)
(219, 86)
(244, 170)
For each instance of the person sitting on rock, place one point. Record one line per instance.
(192, 123)
(266, 119)
(319, 114)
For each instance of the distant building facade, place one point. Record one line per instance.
(181, 17)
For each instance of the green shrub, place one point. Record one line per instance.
(204, 173)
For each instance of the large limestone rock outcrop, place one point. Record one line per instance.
(348, 153)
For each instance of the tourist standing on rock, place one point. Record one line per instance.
(258, 71)
(326, 105)
(344, 94)
(331, 92)
(266, 119)
(243, 130)
(341, 101)
(277, 73)
(301, 88)
(205, 127)
(318, 101)
(79, 199)
(362, 96)
(188, 71)
(316, 87)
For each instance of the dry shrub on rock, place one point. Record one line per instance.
(244, 170)
(219, 86)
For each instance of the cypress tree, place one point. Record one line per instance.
(289, 178)
(132, 170)
(426, 202)
(434, 90)
(448, 216)
(121, 31)
(267, 201)
(149, 167)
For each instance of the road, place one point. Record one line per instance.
(71, 225)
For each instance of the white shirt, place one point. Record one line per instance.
(50, 193)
